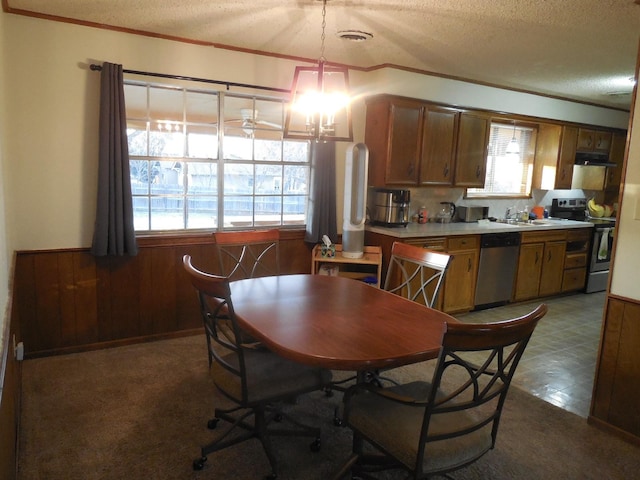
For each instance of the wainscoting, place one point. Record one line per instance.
(69, 300)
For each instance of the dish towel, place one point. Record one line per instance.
(604, 245)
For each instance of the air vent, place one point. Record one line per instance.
(354, 35)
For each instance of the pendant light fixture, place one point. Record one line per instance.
(319, 107)
(513, 147)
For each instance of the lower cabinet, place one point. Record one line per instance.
(461, 276)
(540, 265)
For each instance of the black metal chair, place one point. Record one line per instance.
(257, 381)
(416, 273)
(248, 253)
(433, 428)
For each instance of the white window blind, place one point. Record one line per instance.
(509, 169)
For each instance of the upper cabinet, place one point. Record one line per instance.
(438, 145)
(393, 134)
(412, 142)
(593, 141)
(555, 156)
(471, 153)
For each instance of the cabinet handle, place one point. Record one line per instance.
(411, 169)
(478, 171)
(549, 256)
(468, 265)
(537, 258)
(446, 170)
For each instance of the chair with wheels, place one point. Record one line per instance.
(256, 381)
(248, 254)
(436, 427)
(416, 273)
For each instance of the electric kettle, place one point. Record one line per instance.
(446, 213)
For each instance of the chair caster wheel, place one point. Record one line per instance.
(198, 463)
(271, 476)
(278, 417)
(328, 392)
(213, 423)
(315, 445)
(337, 421)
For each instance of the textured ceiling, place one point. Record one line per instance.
(584, 50)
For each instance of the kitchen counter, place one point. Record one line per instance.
(414, 230)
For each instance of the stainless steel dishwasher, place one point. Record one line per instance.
(497, 268)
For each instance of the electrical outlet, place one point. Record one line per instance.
(18, 350)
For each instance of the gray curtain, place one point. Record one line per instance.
(114, 233)
(321, 218)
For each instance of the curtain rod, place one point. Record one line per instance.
(95, 67)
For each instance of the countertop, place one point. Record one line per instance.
(414, 230)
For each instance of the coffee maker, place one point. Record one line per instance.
(390, 207)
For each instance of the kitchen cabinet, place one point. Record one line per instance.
(471, 152)
(540, 264)
(590, 140)
(566, 157)
(555, 156)
(412, 142)
(460, 279)
(614, 174)
(438, 146)
(577, 251)
(393, 134)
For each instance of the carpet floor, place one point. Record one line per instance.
(140, 411)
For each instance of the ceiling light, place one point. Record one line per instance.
(320, 104)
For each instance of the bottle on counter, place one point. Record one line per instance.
(423, 215)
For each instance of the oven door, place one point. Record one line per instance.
(601, 248)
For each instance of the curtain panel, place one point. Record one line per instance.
(114, 232)
(321, 218)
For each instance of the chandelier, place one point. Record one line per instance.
(320, 105)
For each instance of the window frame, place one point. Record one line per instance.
(289, 158)
(527, 159)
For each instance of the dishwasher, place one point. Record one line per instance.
(497, 268)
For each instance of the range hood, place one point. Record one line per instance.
(593, 159)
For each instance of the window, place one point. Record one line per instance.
(206, 159)
(509, 162)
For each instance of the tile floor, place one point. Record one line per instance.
(560, 360)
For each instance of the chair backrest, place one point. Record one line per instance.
(416, 273)
(222, 331)
(471, 379)
(248, 254)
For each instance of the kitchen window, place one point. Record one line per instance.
(212, 160)
(510, 158)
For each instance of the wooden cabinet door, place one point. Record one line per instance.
(614, 174)
(566, 157)
(471, 154)
(438, 146)
(552, 268)
(393, 133)
(593, 140)
(460, 282)
(529, 270)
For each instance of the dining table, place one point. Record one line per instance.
(337, 322)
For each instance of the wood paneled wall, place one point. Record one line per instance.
(616, 393)
(69, 300)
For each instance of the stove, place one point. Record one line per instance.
(601, 240)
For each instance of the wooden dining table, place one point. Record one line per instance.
(336, 322)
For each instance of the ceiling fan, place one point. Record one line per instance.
(249, 121)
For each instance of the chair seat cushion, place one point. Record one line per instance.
(398, 430)
(269, 377)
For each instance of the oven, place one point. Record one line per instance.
(601, 245)
(601, 240)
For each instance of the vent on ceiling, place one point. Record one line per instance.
(354, 35)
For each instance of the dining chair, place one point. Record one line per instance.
(248, 253)
(435, 427)
(257, 381)
(416, 273)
